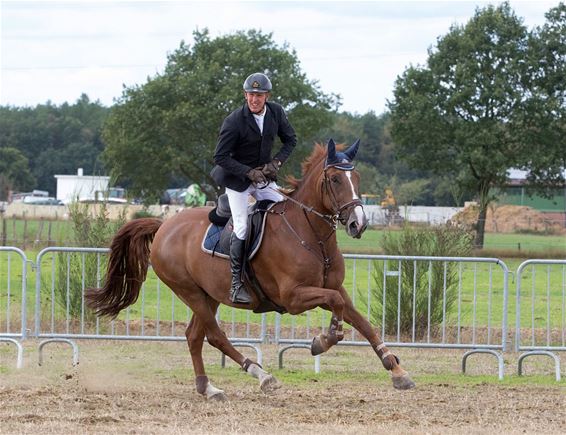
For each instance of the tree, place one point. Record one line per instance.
(168, 126)
(546, 130)
(369, 128)
(462, 114)
(14, 172)
(380, 166)
(55, 139)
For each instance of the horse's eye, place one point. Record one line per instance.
(335, 179)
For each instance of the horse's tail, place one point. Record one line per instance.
(127, 268)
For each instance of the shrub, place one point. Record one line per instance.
(76, 271)
(145, 213)
(420, 282)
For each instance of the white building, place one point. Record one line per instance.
(81, 187)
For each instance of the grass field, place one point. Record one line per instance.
(32, 235)
(495, 245)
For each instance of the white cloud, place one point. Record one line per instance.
(58, 50)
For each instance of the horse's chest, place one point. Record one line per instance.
(331, 276)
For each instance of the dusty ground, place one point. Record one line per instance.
(148, 388)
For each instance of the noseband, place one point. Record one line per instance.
(338, 209)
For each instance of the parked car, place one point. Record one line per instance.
(42, 200)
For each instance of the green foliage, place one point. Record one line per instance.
(465, 114)
(368, 177)
(93, 231)
(14, 172)
(369, 128)
(423, 288)
(380, 167)
(75, 271)
(406, 191)
(546, 121)
(168, 127)
(54, 139)
(143, 214)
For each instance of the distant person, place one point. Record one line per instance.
(244, 164)
(194, 196)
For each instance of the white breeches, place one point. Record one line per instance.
(239, 204)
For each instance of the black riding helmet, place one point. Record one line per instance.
(257, 83)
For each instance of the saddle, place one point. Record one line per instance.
(216, 242)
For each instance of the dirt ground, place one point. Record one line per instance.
(510, 219)
(148, 388)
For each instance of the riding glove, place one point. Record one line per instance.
(256, 176)
(271, 169)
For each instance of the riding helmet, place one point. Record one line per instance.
(257, 83)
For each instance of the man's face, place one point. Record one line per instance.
(256, 101)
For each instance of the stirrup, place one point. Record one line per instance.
(240, 296)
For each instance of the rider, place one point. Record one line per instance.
(244, 163)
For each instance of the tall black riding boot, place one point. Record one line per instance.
(238, 293)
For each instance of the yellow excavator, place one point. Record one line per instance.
(390, 208)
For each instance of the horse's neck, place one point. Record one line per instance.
(309, 193)
(310, 196)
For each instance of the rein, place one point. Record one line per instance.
(330, 219)
(322, 255)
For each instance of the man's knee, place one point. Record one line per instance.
(240, 231)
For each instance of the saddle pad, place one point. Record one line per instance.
(211, 237)
(216, 239)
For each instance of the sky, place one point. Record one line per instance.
(55, 51)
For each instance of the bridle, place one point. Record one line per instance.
(326, 187)
(331, 219)
(339, 209)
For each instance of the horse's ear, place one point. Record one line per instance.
(353, 150)
(331, 152)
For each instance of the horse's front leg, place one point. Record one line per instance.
(323, 342)
(401, 379)
(302, 299)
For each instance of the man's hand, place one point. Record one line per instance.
(257, 176)
(271, 169)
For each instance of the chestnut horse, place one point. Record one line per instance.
(298, 265)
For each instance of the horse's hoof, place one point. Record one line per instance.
(316, 346)
(403, 382)
(218, 397)
(269, 384)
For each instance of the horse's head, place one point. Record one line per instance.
(341, 188)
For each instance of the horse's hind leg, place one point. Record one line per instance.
(204, 324)
(401, 379)
(195, 338)
(217, 338)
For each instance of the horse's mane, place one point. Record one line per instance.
(318, 153)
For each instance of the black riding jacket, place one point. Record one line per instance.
(242, 147)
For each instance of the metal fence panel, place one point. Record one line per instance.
(63, 274)
(427, 302)
(440, 302)
(540, 323)
(13, 299)
(450, 302)
(13, 285)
